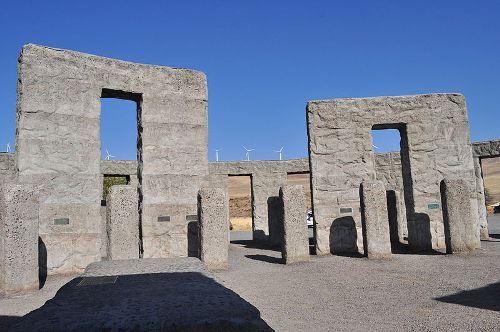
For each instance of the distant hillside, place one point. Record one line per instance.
(491, 174)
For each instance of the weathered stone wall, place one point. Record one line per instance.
(267, 178)
(435, 130)
(7, 167)
(58, 145)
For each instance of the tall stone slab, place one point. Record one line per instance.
(122, 224)
(265, 203)
(376, 234)
(435, 143)
(295, 242)
(58, 145)
(18, 239)
(460, 225)
(214, 228)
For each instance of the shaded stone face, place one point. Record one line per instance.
(58, 145)
(435, 143)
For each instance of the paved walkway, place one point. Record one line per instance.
(176, 294)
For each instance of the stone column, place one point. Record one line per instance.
(214, 228)
(483, 221)
(459, 226)
(18, 239)
(122, 222)
(295, 243)
(266, 205)
(376, 235)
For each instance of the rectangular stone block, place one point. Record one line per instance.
(295, 243)
(459, 224)
(376, 235)
(122, 224)
(18, 239)
(214, 227)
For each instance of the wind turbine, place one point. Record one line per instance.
(8, 147)
(247, 154)
(279, 151)
(217, 154)
(108, 156)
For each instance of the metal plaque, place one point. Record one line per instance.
(61, 221)
(191, 217)
(163, 218)
(433, 206)
(345, 210)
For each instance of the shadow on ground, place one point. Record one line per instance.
(265, 258)
(486, 297)
(252, 244)
(7, 321)
(180, 301)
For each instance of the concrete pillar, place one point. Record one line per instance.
(459, 225)
(122, 222)
(214, 228)
(376, 235)
(295, 243)
(18, 239)
(483, 221)
(266, 205)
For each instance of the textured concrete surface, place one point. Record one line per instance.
(459, 224)
(435, 144)
(376, 236)
(58, 146)
(295, 243)
(176, 294)
(122, 226)
(214, 227)
(18, 238)
(7, 166)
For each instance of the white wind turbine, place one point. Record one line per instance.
(247, 154)
(217, 154)
(8, 147)
(108, 156)
(279, 151)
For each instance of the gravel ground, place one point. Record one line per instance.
(408, 292)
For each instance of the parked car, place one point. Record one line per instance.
(310, 219)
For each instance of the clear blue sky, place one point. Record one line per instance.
(266, 59)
